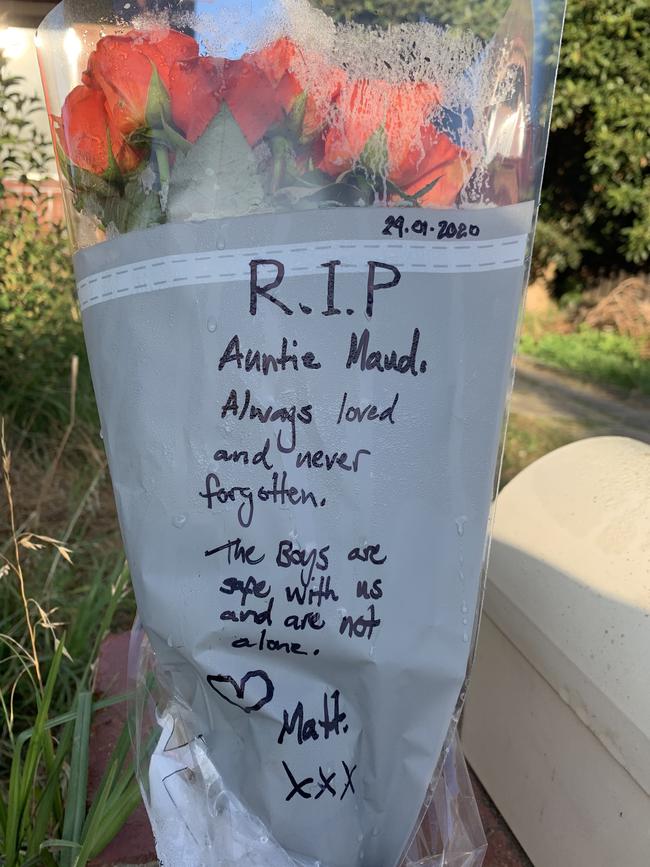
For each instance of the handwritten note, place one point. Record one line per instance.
(302, 433)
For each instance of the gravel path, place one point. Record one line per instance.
(542, 392)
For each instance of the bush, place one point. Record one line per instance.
(39, 321)
(596, 201)
(24, 152)
(38, 318)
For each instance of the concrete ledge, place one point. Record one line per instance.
(557, 721)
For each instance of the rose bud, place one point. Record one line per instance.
(122, 67)
(85, 130)
(196, 90)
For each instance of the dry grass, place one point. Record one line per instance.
(62, 583)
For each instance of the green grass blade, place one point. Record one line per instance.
(23, 774)
(75, 811)
(40, 743)
(114, 818)
(43, 859)
(45, 817)
(3, 816)
(113, 803)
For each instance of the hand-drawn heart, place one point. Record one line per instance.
(240, 687)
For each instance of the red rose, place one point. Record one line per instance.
(416, 152)
(122, 66)
(251, 98)
(293, 71)
(361, 110)
(278, 63)
(434, 156)
(84, 133)
(365, 107)
(323, 90)
(196, 90)
(263, 86)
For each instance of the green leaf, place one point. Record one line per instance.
(165, 135)
(375, 154)
(297, 116)
(113, 173)
(83, 181)
(218, 177)
(22, 775)
(342, 194)
(412, 198)
(422, 192)
(135, 208)
(174, 139)
(158, 109)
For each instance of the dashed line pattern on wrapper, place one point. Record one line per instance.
(234, 265)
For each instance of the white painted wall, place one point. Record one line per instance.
(17, 45)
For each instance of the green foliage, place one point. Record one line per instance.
(38, 319)
(24, 152)
(482, 18)
(44, 817)
(599, 356)
(596, 200)
(46, 705)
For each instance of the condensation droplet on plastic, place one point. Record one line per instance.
(341, 612)
(212, 325)
(460, 524)
(101, 434)
(465, 637)
(221, 244)
(264, 840)
(464, 609)
(465, 621)
(179, 521)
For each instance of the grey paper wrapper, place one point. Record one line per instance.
(332, 745)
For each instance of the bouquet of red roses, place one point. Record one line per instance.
(143, 138)
(300, 249)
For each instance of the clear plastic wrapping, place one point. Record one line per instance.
(178, 778)
(302, 233)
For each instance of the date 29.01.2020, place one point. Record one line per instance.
(442, 230)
